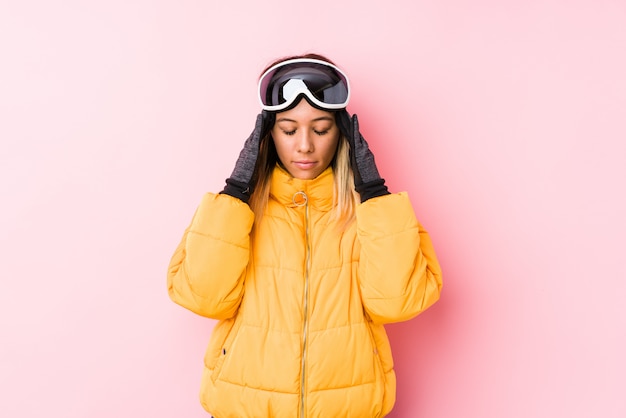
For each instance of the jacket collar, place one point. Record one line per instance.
(291, 192)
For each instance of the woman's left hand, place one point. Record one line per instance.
(367, 181)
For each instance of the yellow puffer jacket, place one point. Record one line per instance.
(301, 304)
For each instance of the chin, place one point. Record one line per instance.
(304, 175)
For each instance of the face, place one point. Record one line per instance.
(306, 139)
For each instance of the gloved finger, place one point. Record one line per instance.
(258, 128)
(358, 138)
(355, 122)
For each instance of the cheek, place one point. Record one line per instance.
(279, 143)
(281, 147)
(331, 147)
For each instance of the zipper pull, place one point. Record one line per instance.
(300, 198)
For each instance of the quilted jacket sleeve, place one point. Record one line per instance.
(206, 273)
(399, 275)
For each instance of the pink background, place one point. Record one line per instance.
(505, 121)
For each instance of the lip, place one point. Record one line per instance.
(305, 164)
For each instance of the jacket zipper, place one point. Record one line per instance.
(305, 325)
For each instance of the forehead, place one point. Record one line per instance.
(303, 112)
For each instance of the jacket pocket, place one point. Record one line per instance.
(260, 358)
(216, 350)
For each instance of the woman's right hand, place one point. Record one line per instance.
(239, 184)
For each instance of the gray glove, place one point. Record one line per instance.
(240, 184)
(367, 181)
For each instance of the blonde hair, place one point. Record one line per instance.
(345, 197)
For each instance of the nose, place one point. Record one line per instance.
(305, 142)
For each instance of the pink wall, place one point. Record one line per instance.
(505, 121)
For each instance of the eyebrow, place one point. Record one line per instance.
(314, 120)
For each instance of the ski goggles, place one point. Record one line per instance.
(324, 85)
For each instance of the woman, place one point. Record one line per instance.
(302, 258)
